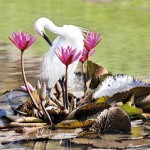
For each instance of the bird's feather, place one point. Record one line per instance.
(52, 69)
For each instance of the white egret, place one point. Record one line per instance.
(52, 69)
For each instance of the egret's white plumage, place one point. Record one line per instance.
(52, 69)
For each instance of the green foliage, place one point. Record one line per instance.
(131, 110)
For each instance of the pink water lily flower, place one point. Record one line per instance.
(85, 54)
(31, 88)
(67, 55)
(22, 40)
(92, 39)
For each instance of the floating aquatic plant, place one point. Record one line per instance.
(120, 87)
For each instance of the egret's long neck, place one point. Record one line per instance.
(52, 27)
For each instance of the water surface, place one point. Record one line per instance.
(124, 25)
(125, 46)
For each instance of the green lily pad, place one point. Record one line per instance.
(87, 134)
(71, 124)
(102, 99)
(131, 110)
(120, 87)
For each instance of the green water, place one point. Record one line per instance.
(125, 27)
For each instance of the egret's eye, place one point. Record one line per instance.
(41, 32)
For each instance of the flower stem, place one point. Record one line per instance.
(87, 69)
(25, 81)
(66, 87)
(84, 77)
(88, 58)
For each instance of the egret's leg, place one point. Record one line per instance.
(48, 92)
(62, 82)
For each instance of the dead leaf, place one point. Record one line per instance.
(86, 111)
(112, 120)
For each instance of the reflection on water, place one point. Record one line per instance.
(137, 139)
(47, 145)
(52, 145)
(10, 77)
(10, 72)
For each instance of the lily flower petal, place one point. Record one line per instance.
(31, 88)
(92, 39)
(67, 55)
(85, 54)
(22, 40)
